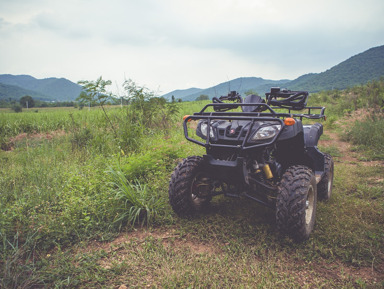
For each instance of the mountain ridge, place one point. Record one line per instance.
(356, 70)
(48, 89)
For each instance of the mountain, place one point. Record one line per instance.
(241, 85)
(356, 70)
(180, 93)
(52, 89)
(15, 92)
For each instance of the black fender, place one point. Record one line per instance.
(312, 135)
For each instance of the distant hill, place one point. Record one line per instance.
(52, 89)
(241, 85)
(15, 92)
(181, 93)
(358, 69)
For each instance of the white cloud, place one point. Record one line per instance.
(175, 44)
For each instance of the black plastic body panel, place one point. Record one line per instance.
(291, 131)
(312, 135)
(228, 171)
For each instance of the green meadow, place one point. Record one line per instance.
(84, 204)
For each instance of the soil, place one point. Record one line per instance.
(345, 149)
(10, 145)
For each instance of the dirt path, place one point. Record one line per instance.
(348, 156)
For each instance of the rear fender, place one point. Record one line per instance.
(312, 135)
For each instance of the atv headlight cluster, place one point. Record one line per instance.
(204, 130)
(266, 132)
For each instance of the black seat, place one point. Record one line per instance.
(253, 99)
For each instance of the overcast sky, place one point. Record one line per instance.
(174, 44)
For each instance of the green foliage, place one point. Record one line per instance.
(140, 204)
(155, 162)
(69, 181)
(202, 97)
(94, 91)
(27, 101)
(369, 134)
(250, 92)
(17, 108)
(81, 138)
(339, 102)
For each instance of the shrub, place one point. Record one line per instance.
(17, 108)
(159, 160)
(369, 134)
(139, 204)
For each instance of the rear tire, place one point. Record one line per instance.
(296, 203)
(324, 187)
(185, 181)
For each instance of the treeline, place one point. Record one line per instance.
(13, 103)
(6, 103)
(39, 103)
(368, 96)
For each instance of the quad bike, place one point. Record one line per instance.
(259, 149)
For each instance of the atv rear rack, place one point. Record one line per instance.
(271, 110)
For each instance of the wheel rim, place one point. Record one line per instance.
(330, 181)
(309, 204)
(194, 187)
(329, 185)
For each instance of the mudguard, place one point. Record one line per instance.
(312, 135)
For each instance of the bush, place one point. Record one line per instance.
(154, 162)
(369, 134)
(17, 108)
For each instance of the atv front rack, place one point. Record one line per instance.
(271, 115)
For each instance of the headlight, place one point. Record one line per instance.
(204, 130)
(266, 132)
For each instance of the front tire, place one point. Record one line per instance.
(296, 203)
(189, 187)
(324, 187)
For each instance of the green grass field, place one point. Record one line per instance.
(66, 216)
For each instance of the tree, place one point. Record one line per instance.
(251, 91)
(27, 101)
(95, 91)
(202, 97)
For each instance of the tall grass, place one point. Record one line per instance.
(139, 202)
(87, 184)
(368, 134)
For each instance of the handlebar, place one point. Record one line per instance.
(232, 96)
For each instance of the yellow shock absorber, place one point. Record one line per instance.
(267, 171)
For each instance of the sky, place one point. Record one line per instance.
(166, 45)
